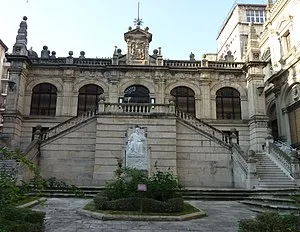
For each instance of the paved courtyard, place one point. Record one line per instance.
(222, 216)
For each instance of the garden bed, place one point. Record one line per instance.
(189, 212)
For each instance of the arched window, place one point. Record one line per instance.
(136, 94)
(228, 104)
(43, 100)
(184, 99)
(88, 98)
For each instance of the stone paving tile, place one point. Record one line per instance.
(222, 216)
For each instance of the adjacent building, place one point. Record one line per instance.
(4, 65)
(232, 37)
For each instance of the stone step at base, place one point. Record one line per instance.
(257, 209)
(268, 186)
(279, 179)
(270, 205)
(288, 201)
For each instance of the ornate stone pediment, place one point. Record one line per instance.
(137, 46)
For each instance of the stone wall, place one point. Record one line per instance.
(200, 161)
(111, 143)
(71, 156)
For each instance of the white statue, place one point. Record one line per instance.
(135, 144)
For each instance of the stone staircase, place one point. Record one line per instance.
(270, 175)
(275, 203)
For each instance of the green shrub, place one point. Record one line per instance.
(25, 220)
(123, 204)
(163, 186)
(152, 205)
(271, 222)
(100, 201)
(125, 183)
(162, 195)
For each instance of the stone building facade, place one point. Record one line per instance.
(203, 119)
(280, 46)
(3, 79)
(233, 34)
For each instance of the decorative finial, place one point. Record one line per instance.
(138, 22)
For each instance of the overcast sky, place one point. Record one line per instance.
(96, 26)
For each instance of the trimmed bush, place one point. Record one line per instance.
(272, 222)
(100, 201)
(172, 205)
(134, 204)
(123, 204)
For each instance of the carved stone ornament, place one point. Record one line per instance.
(296, 92)
(136, 149)
(138, 50)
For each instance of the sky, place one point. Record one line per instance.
(179, 27)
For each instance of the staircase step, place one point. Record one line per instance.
(270, 205)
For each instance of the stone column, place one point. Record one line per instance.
(113, 94)
(278, 110)
(66, 96)
(160, 96)
(206, 101)
(13, 115)
(286, 131)
(244, 108)
(258, 123)
(269, 140)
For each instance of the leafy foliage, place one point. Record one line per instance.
(272, 222)
(16, 219)
(121, 192)
(10, 188)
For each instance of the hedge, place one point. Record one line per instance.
(25, 220)
(134, 204)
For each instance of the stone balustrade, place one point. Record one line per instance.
(102, 62)
(182, 63)
(92, 62)
(48, 61)
(213, 132)
(52, 132)
(136, 108)
(240, 158)
(225, 65)
(283, 158)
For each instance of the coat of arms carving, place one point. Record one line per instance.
(138, 50)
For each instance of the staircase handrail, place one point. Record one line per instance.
(284, 146)
(281, 156)
(240, 158)
(213, 132)
(54, 131)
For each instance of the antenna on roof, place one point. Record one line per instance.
(138, 22)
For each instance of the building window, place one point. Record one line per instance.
(136, 94)
(184, 99)
(287, 42)
(228, 104)
(255, 16)
(88, 98)
(43, 100)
